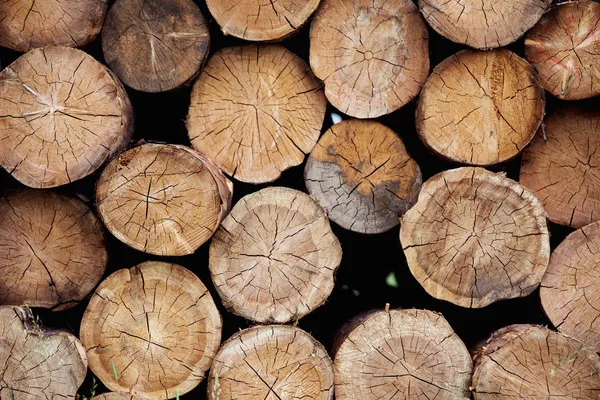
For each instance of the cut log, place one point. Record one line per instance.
(52, 251)
(155, 46)
(63, 114)
(274, 257)
(475, 237)
(483, 24)
(27, 24)
(261, 21)
(402, 354)
(256, 111)
(372, 54)
(562, 166)
(151, 330)
(533, 362)
(162, 199)
(480, 108)
(271, 362)
(117, 396)
(564, 47)
(37, 362)
(361, 173)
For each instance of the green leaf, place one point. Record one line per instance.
(391, 280)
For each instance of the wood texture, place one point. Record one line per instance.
(62, 115)
(274, 257)
(162, 199)
(155, 46)
(37, 362)
(564, 47)
(271, 362)
(261, 20)
(475, 237)
(372, 54)
(533, 362)
(151, 330)
(361, 173)
(483, 24)
(563, 169)
(28, 24)
(256, 110)
(52, 251)
(116, 396)
(480, 108)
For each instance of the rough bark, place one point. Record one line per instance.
(564, 47)
(274, 257)
(37, 362)
(270, 20)
(271, 362)
(117, 396)
(155, 46)
(533, 362)
(62, 115)
(361, 173)
(151, 330)
(475, 237)
(480, 108)
(256, 111)
(162, 199)
(27, 24)
(483, 24)
(402, 354)
(372, 54)
(562, 166)
(52, 251)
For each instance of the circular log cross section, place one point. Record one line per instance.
(564, 47)
(533, 362)
(480, 108)
(253, 20)
(274, 257)
(361, 173)
(116, 396)
(63, 114)
(371, 54)
(402, 354)
(37, 362)
(271, 362)
(155, 46)
(475, 237)
(483, 24)
(563, 169)
(571, 283)
(162, 199)
(151, 330)
(256, 111)
(27, 24)
(53, 250)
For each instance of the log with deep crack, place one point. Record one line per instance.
(256, 110)
(562, 166)
(533, 362)
(62, 115)
(480, 108)
(483, 24)
(371, 54)
(271, 362)
(274, 257)
(28, 24)
(162, 199)
(52, 251)
(564, 47)
(475, 237)
(155, 46)
(37, 362)
(361, 173)
(151, 330)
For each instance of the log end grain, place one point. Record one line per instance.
(117, 396)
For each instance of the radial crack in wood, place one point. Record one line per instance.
(475, 237)
(151, 330)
